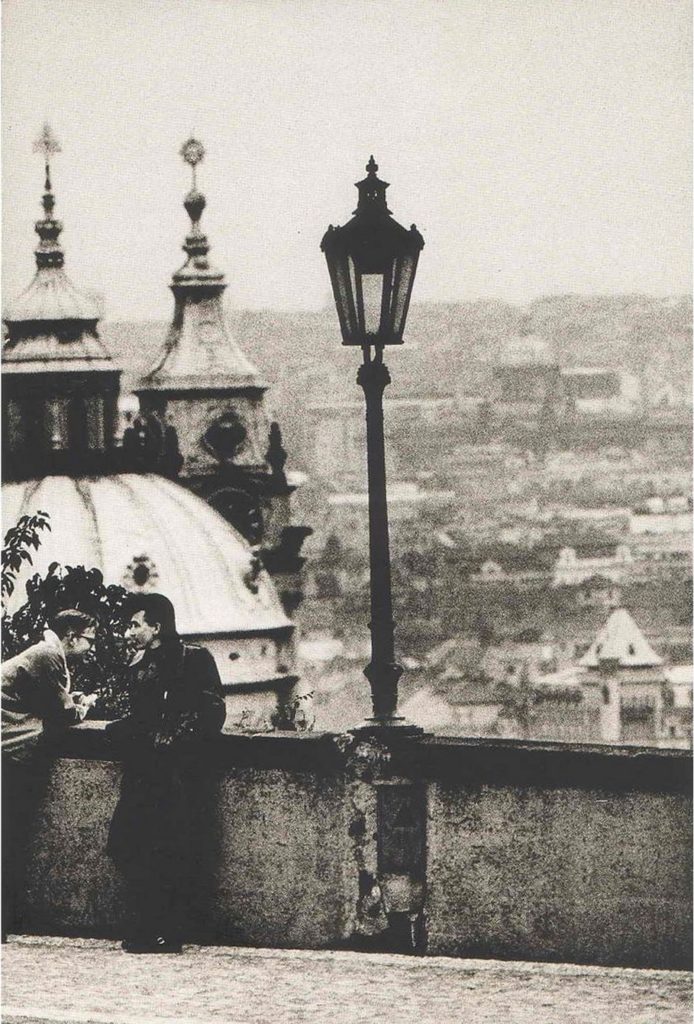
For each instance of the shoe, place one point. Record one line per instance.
(156, 945)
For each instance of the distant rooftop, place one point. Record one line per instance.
(620, 640)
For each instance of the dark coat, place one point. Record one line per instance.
(176, 702)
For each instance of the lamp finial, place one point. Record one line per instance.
(372, 193)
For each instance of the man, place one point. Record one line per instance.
(35, 700)
(176, 701)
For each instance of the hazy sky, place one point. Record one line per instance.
(541, 146)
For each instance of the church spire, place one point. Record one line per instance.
(51, 298)
(61, 385)
(199, 352)
(197, 268)
(49, 252)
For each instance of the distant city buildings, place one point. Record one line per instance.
(337, 437)
(570, 569)
(547, 538)
(620, 691)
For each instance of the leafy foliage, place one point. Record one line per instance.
(16, 550)
(295, 715)
(103, 672)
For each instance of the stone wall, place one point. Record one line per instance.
(442, 846)
(558, 874)
(548, 851)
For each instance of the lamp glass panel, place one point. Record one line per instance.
(402, 289)
(355, 285)
(372, 297)
(343, 275)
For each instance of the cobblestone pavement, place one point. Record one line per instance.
(89, 981)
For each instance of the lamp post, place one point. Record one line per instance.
(372, 262)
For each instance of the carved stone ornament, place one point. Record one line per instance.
(255, 567)
(141, 574)
(364, 757)
(225, 436)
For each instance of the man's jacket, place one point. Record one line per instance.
(176, 702)
(35, 696)
(175, 693)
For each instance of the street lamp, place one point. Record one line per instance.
(372, 262)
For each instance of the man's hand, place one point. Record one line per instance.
(83, 702)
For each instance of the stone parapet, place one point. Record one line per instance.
(457, 847)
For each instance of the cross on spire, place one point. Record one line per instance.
(47, 144)
(193, 152)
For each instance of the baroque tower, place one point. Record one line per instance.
(206, 397)
(112, 508)
(61, 385)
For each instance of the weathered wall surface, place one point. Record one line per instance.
(274, 851)
(556, 852)
(280, 858)
(455, 847)
(559, 874)
(71, 885)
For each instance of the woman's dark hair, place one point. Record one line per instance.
(158, 612)
(71, 621)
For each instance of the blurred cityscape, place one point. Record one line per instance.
(540, 504)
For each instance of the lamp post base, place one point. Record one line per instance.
(394, 725)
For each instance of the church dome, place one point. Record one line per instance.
(147, 533)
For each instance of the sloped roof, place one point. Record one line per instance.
(597, 582)
(621, 640)
(51, 296)
(200, 352)
(44, 351)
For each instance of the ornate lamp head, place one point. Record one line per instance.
(372, 262)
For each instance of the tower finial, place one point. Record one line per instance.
(49, 252)
(193, 152)
(196, 244)
(47, 144)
